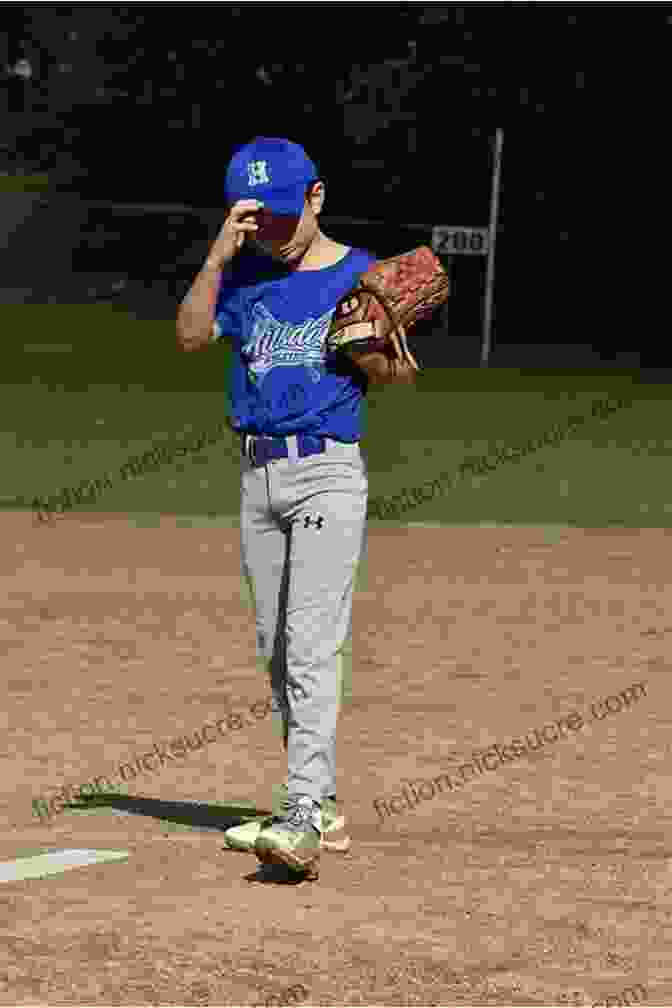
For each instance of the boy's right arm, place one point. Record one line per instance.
(196, 314)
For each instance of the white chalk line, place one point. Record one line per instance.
(54, 862)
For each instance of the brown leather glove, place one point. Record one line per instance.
(388, 299)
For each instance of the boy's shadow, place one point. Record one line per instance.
(216, 816)
(204, 816)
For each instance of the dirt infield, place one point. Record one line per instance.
(545, 881)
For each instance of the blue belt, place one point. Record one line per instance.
(260, 449)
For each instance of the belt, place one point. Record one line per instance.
(260, 449)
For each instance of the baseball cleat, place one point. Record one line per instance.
(293, 838)
(333, 837)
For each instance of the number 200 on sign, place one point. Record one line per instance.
(460, 241)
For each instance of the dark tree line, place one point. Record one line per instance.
(148, 101)
(397, 103)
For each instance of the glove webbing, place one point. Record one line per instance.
(387, 308)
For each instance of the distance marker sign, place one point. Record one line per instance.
(459, 240)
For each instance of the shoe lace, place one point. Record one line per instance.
(296, 816)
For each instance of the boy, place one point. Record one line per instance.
(271, 284)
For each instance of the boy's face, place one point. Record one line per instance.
(286, 239)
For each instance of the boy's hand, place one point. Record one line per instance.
(240, 222)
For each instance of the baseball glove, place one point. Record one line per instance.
(389, 298)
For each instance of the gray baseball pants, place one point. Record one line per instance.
(302, 535)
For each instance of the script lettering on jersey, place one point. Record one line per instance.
(284, 344)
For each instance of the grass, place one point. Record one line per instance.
(84, 387)
(116, 385)
(608, 471)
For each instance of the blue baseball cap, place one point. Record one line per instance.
(272, 170)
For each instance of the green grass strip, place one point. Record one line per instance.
(392, 507)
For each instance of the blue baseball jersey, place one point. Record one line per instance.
(282, 379)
